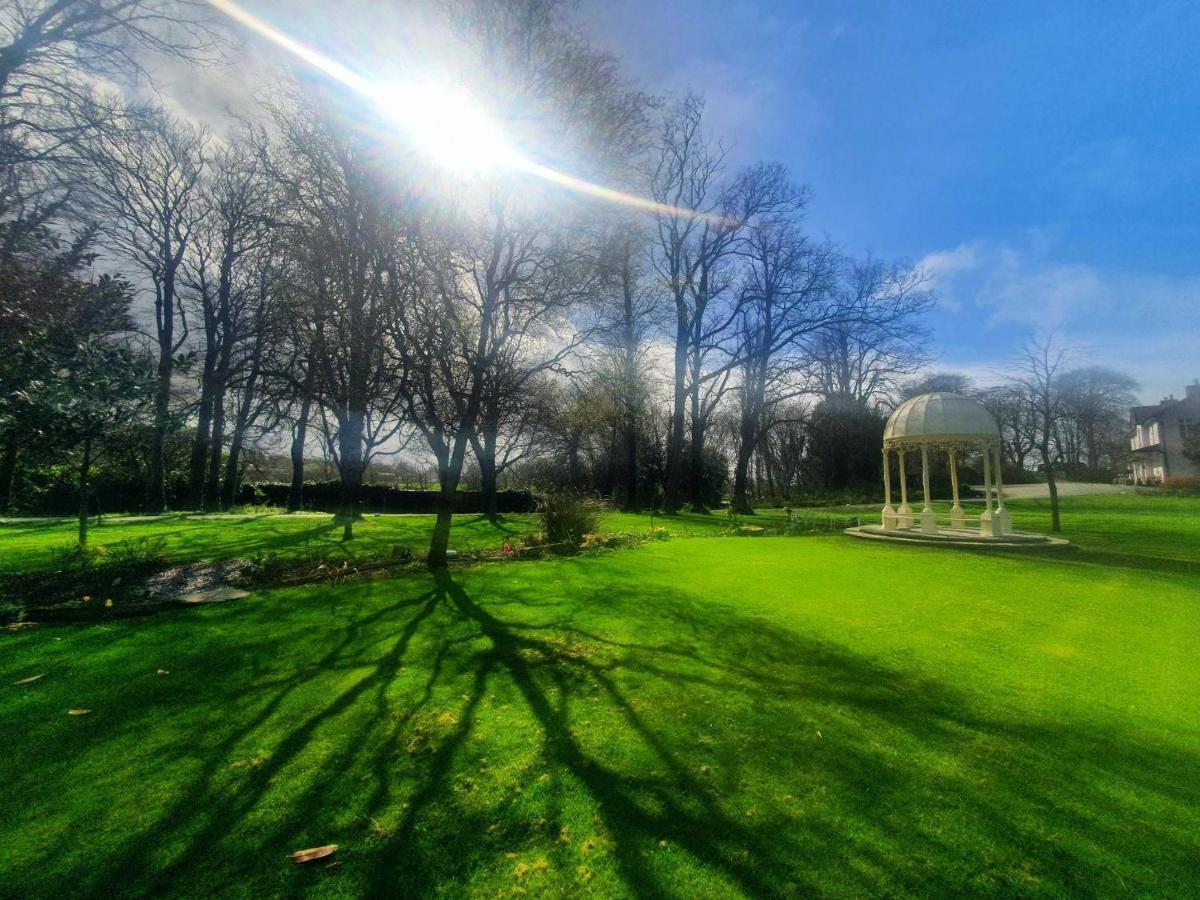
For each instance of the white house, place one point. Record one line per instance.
(1158, 435)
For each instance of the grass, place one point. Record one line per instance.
(33, 546)
(697, 718)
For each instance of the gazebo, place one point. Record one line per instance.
(951, 424)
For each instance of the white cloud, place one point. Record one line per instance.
(1145, 324)
(1111, 168)
(942, 267)
(1021, 284)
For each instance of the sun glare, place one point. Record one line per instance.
(448, 126)
(445, 123)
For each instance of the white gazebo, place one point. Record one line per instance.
(951, 424)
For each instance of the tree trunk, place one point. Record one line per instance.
(696, 456)
(200, 443)
(212, 484)
(165, 320)
(85, 469)
(574, 469)
(233, 461)
(449, 472)
(631, 463)
(350, 452)
(295, 500)
(741, 469)
(1055, 522)
(440, 541)
(484, 447)
(673, 488)
(157, 499)
(8, 472)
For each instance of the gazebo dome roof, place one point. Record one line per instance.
(940, 418)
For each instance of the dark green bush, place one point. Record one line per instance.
(138, 551)
(567, 517)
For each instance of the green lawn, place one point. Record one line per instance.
(30, 546)
(698, 718)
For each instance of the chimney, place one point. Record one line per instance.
(1192, 390)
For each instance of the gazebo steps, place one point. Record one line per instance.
(951, 537)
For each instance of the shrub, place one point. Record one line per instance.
(266, 567)
(1184, 485)
(567, 517)
(74, 557)
(596, 541)
(136, 552)
(325, 496)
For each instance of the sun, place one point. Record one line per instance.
(446, 124)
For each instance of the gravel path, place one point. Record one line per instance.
(1065, 489)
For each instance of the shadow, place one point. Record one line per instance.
(708, 751)
(1075, 556)
(137, 860)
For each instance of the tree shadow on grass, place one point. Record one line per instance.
(1076, 557)
(863, 779)
(216, 819)
(1071, 788)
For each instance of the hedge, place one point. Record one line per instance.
(323, 496)
(53, 493)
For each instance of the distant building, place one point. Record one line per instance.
(1158, 434)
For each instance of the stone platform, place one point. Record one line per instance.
(956, 537)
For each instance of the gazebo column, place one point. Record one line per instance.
(986, 522)
(1002, 517)
(928, 520)
(889, 514)
(957, 519)
(904, 513)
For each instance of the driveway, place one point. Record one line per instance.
(1065, 489)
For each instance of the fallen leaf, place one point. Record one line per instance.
(314, 853)
(78, 712)
(31, 679)
(162, 672)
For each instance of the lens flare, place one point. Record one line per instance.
(445, 123)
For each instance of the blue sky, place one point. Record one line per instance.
(1042, 160)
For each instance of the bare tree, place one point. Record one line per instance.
(483, 309)
(345, 227)
(629, 309)
(1014, 414)
(146, 187)
(1096, 402)
(696, 238)
(866, 356)
(48, 43)
(1038, 373)
(239, 213)
(514, 425)
(686, 171)
(787, 300)
(938, 382)
(52, 53)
